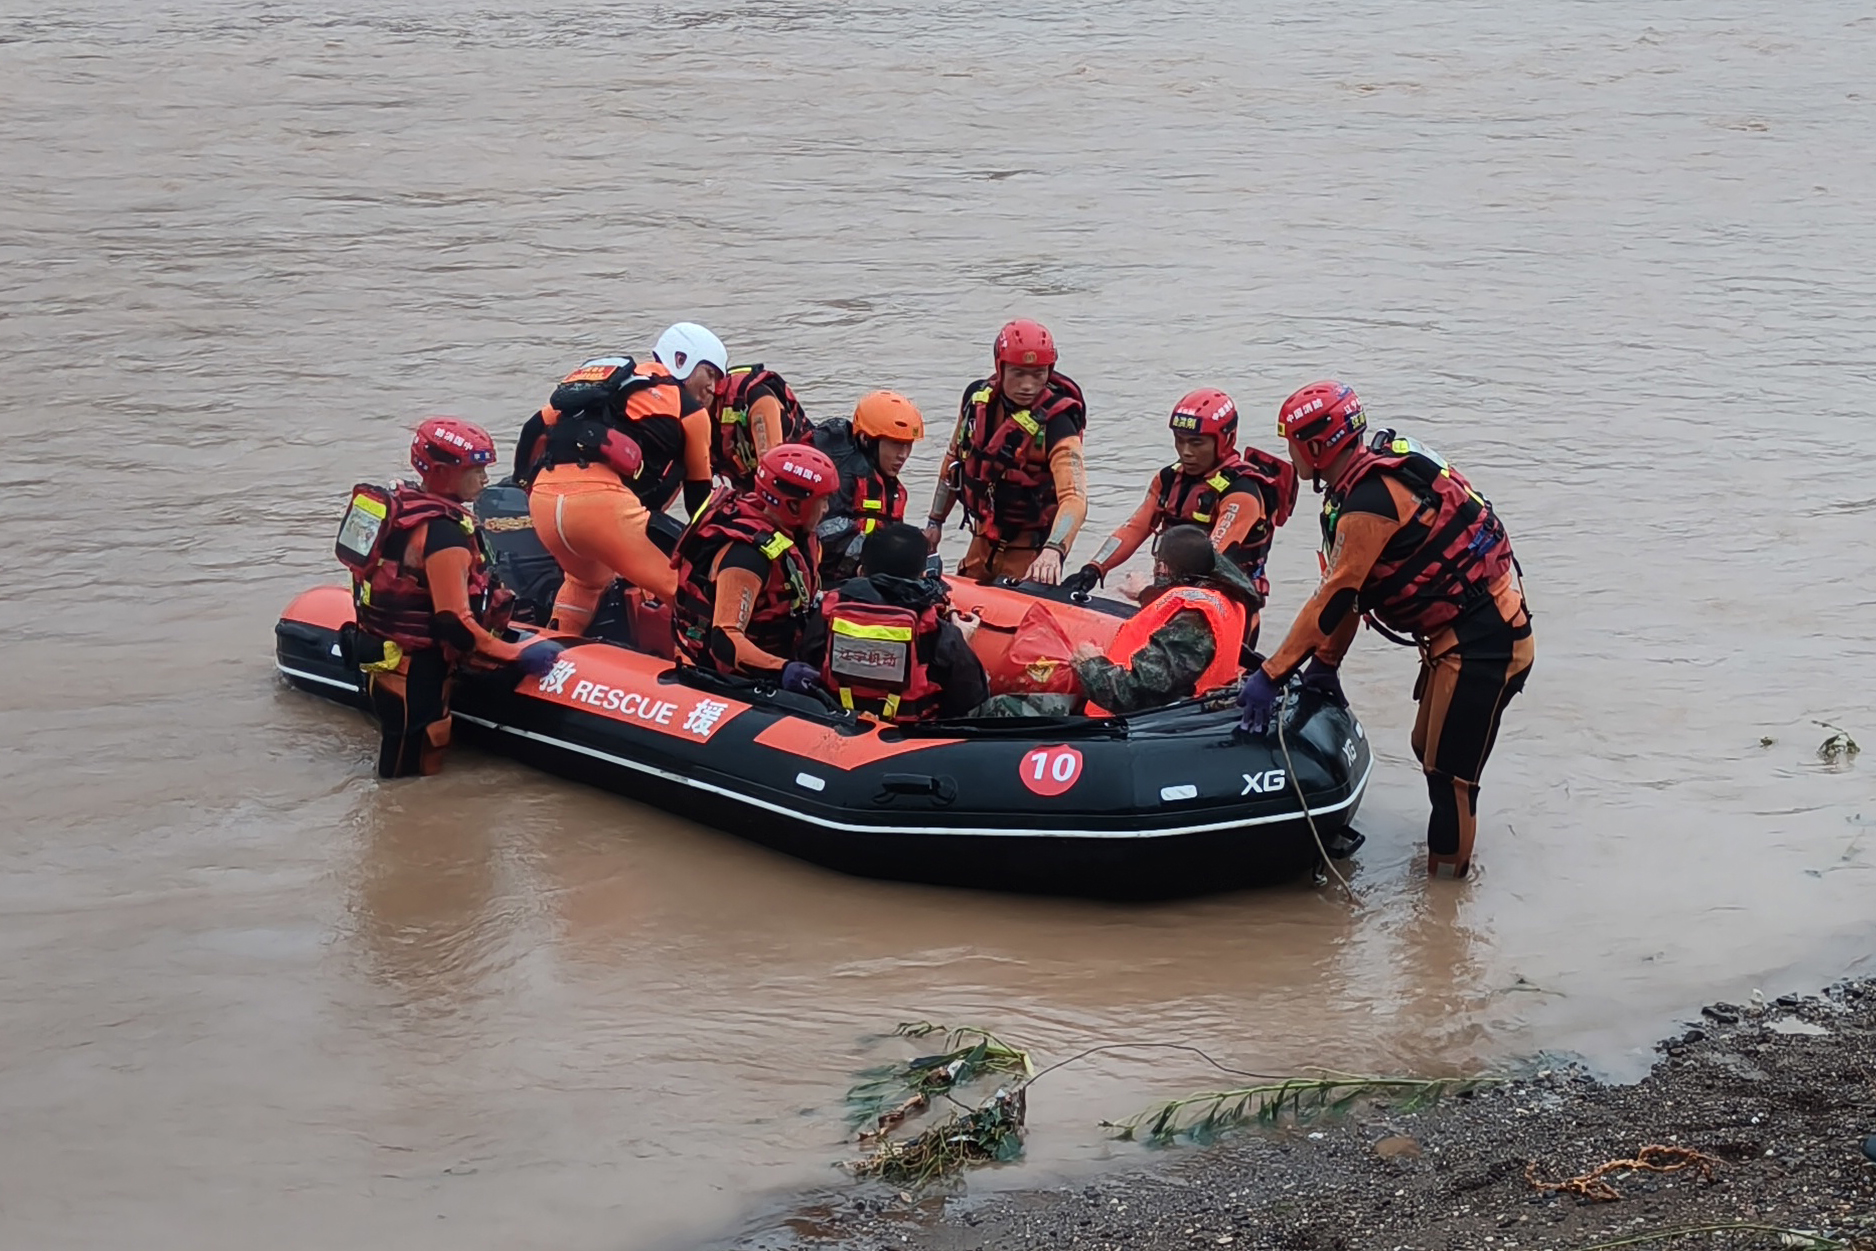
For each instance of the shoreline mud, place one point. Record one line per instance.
(1769, 1111)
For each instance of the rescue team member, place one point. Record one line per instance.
(887, 642)
(1015, 459)
(423, 593)
(1185, 641)
(1240, 496)
(615, 440)
(746, 567)
(869, 451)
(752, 410)
(1411, 545)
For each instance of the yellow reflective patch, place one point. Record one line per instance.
(734, 417)
(1400, 447)
(981, 397)
(1027, 422)
(892, 705)
(875, 505)
(846, 698)
(775, 545)
(393, 656)
(885, 633)
(1218, 482)
(366, 504)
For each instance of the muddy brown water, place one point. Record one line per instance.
(1617, 262)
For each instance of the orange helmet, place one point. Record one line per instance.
(1025, 344)
(888, 415)
(792, 475)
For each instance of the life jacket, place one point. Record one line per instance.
(1225, 615)
(390, 598)
(786, 599)
(733, 451)
(593, 418)
(1432, 581)
(1180, 498)
(879, 658)
(866, 495)
(1003, 458)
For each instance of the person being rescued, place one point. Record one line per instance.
(1185, 640)
(752, 410)
(1016, 461)
(746, 567)
(870, 451)
(887, 642)
(611, 447)
(423, 594)
(1241, 496)
(1411, 546)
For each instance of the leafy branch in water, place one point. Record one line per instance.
(1839, 748)
(991, 1133)
(1201, 1117)
(893, 1091)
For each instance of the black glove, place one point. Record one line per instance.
(1083, 581)
(1322, 679)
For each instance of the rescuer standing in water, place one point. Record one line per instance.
(1409, 544)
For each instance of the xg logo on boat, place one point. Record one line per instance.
(1269, 782)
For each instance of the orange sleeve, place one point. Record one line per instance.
(1070, 472)
(736, 592)
(1134, 531)
(447, 573)
(765, 423)
(697, 437)
(1238, 515)
(1329, 617)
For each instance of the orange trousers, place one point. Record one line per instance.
(595, 528)
(986, 561)
(1467, 676)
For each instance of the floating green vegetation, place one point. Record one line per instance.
(891, 1094)
(1199, 1118)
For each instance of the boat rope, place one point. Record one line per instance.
(1289, 768)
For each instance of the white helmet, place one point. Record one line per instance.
(683, 345)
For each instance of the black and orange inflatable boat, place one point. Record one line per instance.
(1169, 802)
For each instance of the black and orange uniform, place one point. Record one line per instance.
(755, 409)
(616, 441)
(1020, 474)
(867, 500)
(886, 647)
(1241, 502)
(745, 588)
(425, 600)
(1409, 544)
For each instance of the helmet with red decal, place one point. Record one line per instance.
(789, 478)
(1319, 421)
(446, 444)
(1207, 411)
(1024, 344)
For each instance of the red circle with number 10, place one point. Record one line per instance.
(1050, 770)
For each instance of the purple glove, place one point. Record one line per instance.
(1324, 680)
(1258, 699)
(800, 678)
(537, 658)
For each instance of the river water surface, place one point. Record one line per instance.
(1617, 261)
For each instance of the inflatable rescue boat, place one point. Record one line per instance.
(1172, 801)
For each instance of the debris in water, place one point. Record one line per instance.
(971, 1054)
(1200, 1118)
(1839, 748)
(992, 1133)
(1766, 740)
(887, 1096)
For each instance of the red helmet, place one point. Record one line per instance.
(447, 443)
(1208, 411)
(791, 476)
(1321, 419)
(1025, 344)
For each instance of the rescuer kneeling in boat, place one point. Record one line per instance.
(1016, 461)
(1240, 496)
(423, 594)
(886, 642)
(746, 569)
(752, 410)
(869, 451)
(1186, 640)
(1409, 544)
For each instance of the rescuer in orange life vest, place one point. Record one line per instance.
(1186, 639)
(423, 593)
(1016, 461)
(746, 568)
(870, 451)
(611, 446)
(888, 643)
(752, 410)
(1411, 545)
(1241, 496)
